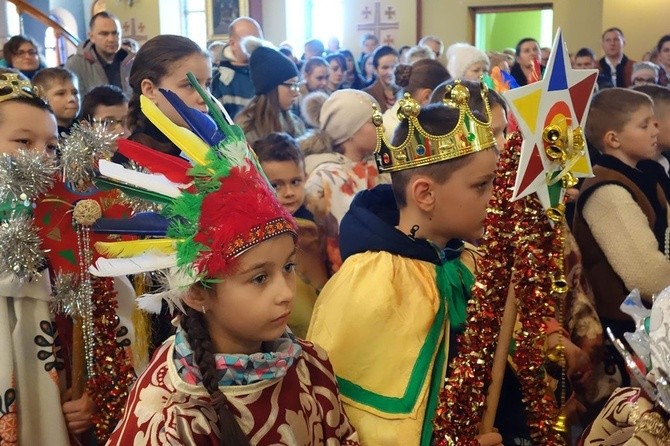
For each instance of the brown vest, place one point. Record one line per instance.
(608, 288)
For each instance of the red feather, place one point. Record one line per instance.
(173, 167)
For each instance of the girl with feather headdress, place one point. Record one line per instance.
(233, 373)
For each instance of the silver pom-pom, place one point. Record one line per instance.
(82, 149)
(26, 175)
(65, 295)
(22, 255)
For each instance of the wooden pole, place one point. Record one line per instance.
(78, 359)
(500, 360)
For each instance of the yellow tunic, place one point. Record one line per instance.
(384, 326)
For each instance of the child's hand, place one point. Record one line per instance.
(491, 439)
(579, 365)
(78, 413)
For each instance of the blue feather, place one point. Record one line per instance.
(200, 123)
(507, 76)
(143, 223)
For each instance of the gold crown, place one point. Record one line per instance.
(421, 148)
(13, 85)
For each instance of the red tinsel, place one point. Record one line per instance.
(114, 372)
(519, 240)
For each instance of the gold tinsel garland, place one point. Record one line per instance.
(519, 242)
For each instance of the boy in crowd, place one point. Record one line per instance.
(284, 165)
(383, 317)
(621, 216)
(58, 87)
(107, 104)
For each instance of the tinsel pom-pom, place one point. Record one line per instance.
(65, 295)
(20, 245)
(26, 175)
(82, 149)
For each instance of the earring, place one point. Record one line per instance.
(204, 310)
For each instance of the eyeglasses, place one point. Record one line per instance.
(293, 86)
(110, 122)
(26, 53)
(644, 80)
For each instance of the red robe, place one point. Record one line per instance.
(301, 408)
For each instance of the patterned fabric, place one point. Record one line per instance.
(301, 408)
(626, 421)
(239, 369)
(30, 407)
(329, 191)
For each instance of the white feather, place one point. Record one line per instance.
(133, 265)
(148, 181)
(150, 303)
(173, 285)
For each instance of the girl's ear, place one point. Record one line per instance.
(420, 191)
(149, 89)
(198, 297)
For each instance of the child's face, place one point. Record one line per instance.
(287, 93)
(253, 304)
(336, 74)
(115, 116)
(317, 79)
(288, 179)
(637, 140)
(662, 113)
(498, 125)
(63, 97)
(365, 139)
(460, 202)
(177, 82)
(23, 126)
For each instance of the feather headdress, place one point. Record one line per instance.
(217, 205)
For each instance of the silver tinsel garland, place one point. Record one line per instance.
(66, 295)
(20, 245)
(82, 149)
(25, 175)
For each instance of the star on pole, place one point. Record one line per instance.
(562, 96)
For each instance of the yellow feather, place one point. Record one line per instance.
(134, 248)
(194, 147)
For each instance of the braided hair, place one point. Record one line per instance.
(194, 325)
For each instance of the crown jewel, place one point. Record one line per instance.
(421, 148)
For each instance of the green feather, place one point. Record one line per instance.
(107, 184)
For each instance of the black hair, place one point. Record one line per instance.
(101, 14)
(278, 146)
(585, 52)
(382, 51)
(194, 325)
(521, 42)
(108, 95)
(661, 41)
(11, 47)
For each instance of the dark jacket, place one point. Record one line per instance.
(624, 71)
(90, 72)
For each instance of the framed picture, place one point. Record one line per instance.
(220, 13)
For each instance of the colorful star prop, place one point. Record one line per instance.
(551, 115)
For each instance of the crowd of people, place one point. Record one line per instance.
(319, 280)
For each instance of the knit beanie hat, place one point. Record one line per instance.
(460, 56)
(268, 67)
(341, 114)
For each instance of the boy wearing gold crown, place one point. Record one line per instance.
(385, 317)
